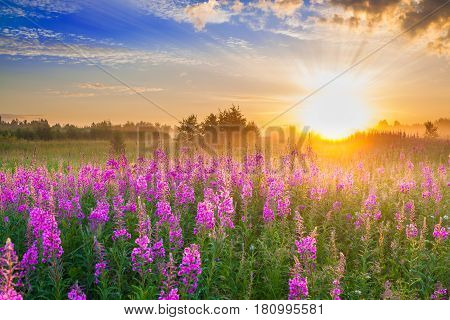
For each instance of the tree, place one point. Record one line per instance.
(383, 124)
(232, 117)
(430, 130)
(188, 128)
(210, 123)
(117, 143)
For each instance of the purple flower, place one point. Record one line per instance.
(371, 201)
(440, 293)
(169, 290)
(190, 268)
(411, 231)
(306, 247)
(45, 229)
(172, 295)
(30, 259)
(10, 274)
(101, 265)
(142, 256)
(121, 234)
(439, 232)
(158, 249)
(298, 288)
(205, 215)
(99, 215)
(268, 214)
(76, 293)
(336, 291)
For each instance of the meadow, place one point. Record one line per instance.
(330, 221)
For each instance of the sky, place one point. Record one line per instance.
(75, 61)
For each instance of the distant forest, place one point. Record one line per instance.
(186, 129)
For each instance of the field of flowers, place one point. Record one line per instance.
(295, 226)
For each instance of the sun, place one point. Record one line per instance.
(337, 111)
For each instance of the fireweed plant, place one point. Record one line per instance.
(296, 226)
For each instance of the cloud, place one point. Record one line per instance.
(50, 46)
(441, 45)
(207, 12)
(397, 14)
(436, 26)
(38, 8)
(116, 89)
(167, 9)
(237, 6)
(69, 94)
(93, 89)
(281, 8)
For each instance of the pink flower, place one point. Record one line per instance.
(9, 272)
(411, 231)
(142, 256)
(306, 247)
(99, 215)
(76, 293)
(190, 268)
(439, 232)
(298, 288)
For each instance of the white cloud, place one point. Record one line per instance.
(93, 89)
(281, 8)
(207, 12)
(116, 89)
(237, 6)
(51, 46)
(167, 9)
(38, 8)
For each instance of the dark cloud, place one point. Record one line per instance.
(436, 27)
(417, 13)
(405, 14)
(371, 7)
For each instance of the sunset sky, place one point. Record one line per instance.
(199, 56)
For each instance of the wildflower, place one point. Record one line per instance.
(76, 293)
(439, 232)
(142, 256)
(336, 291)
(400, 219)
(411, 231)
(169, 290)
(45, 229)
(387, 294)
(283, 206)
(144, 226)
(306, 247)
(9, 272)
(371, 201)
(120, 231)
(337, 206)
(99, 215)
(121, 234)
(101, 264)
(158, 249)
(190, 268)
(268, 214)
(163, 211)
(298, 288)
(205, 218)
(440, 293)
(29, 259)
